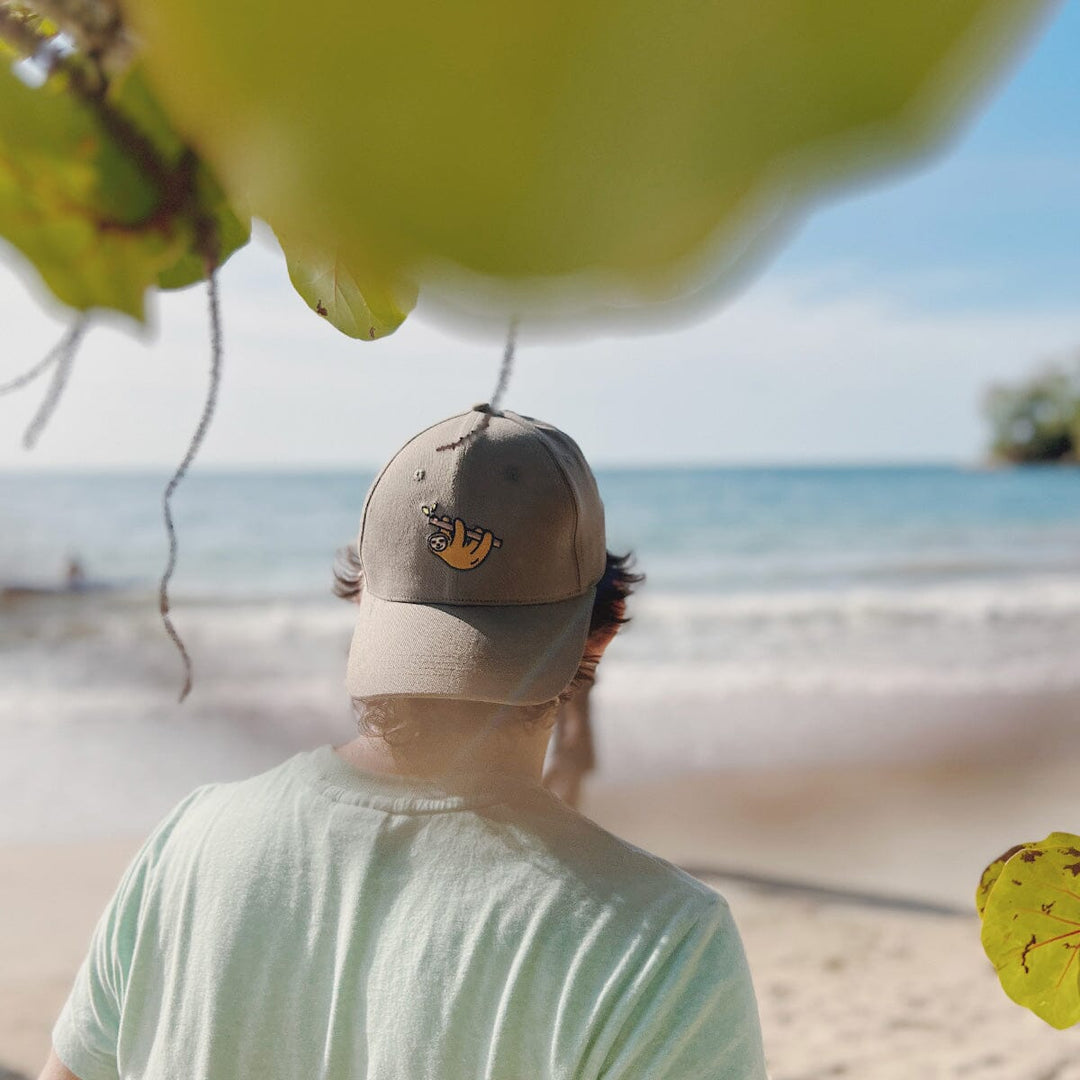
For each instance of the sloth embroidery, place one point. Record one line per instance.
(455, 543)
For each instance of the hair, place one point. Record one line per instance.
(376, 716)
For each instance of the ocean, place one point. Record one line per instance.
(789, 616)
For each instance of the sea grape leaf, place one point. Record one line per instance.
(91, 210)
(570, 156)
(990, 876)
(232, 233)
(33, 21)
(1031, 928)
(70, 200)
(131, 95)
(357, 304)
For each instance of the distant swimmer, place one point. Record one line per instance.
(72, 580)
(76, 575)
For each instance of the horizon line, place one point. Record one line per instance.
(323, 468)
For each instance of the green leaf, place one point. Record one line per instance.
(567, 156)
(1031, 928)
(357, 304)
(132, 95)
(233, 233)
(990, 876)
(70, 199)
(104, 211)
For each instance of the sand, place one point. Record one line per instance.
(871, 994)
(50, 899)
(847, 987)
(923, 832)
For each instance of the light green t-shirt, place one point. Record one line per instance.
(313, 922)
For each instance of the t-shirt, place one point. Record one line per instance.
(317, 922)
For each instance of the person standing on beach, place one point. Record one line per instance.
(414, 905)
(572, 756)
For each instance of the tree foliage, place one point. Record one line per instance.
(1037, 419)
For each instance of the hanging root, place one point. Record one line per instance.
(193, 448)
(505, 370)
(68, 342)
(63, 356)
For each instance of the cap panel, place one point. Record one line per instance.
(382, 472)
(590, 531)
(493, 521)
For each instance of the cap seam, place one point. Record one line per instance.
(382, 472)
(535, 431)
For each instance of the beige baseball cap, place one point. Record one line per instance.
(481, 558)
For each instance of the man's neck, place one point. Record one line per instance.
(442, 737)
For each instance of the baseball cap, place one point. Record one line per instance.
(481, 551)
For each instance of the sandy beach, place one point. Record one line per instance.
(848, 987)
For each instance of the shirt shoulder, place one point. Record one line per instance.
(603, 868)
(661, 969)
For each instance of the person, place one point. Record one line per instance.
(413, 904)
(571, 756)
(74, 574)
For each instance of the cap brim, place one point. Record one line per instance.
(521, 654)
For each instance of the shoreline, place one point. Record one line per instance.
(128, 754)
(918, 833)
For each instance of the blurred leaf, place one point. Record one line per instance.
(367, 309)
(104, 210)
(131, 94)
(23, 18)
(571, 156)
(68, 195)
(233, 233)
(1031, 927)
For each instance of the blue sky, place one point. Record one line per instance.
(995, 220)
(870, 336)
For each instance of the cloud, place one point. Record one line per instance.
(797, 369)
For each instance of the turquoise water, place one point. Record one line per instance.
(695, 530)
(862, 578)
(790, 616)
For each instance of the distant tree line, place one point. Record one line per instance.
(1037, 419)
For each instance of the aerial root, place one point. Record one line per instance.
(63, 359)
(505, 370)
(193, 448)
(62, 355)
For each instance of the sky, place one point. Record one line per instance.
(871, 336)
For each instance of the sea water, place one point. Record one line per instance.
(789, 614)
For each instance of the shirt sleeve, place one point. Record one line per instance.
(693, 1013)
(85, 1035)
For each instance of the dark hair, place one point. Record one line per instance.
(376, 716)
